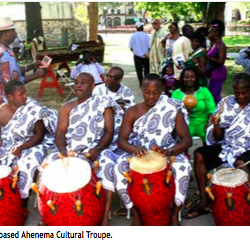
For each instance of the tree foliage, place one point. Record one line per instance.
(196, 10)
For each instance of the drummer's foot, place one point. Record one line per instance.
(136, 217)
(105, 221)
(175, 222)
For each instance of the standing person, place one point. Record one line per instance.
(216, 57)
(37, 44)
(140, 44)
(9, 68)
(197, 58)
(16, 48)
(26, 53)
(156, 55)
(200, 115)
(182, 46)
(169, 40)
(88, 65)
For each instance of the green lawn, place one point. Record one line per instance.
(232, 41)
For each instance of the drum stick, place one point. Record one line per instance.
(15, 179)
(208, 190)
(61, 157)
(241, 166)
(34, 187)
(146, 185)
(98, 187)
(172, 159)
(15, 170)
(169, 175)
(217, 116)
(126, 175)
(209, 176)
(51, 205)
(96, 166)
(229, 199)
(78, 204)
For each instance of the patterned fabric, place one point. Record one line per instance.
(20, 129)
(9, 69)
(156, 54)
(243, 59)
(156, 127)
(236, 122)
(86, 128)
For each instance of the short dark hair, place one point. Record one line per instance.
(202, 30)
(187, 30)
(197, 84)
(86, 74)
(119, 70)
(152, 77)
(11, 86)
(140, 28)
(241, 79)
(198, 36)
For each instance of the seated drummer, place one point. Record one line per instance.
(86, 126)
(158, 120)
(227, 137)
(27, 129)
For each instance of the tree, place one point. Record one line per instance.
(33, 18)
(92, 8)
(205, 10)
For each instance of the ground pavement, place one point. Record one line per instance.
(117, 53)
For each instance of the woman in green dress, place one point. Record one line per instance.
(197, 58)
(200, 115)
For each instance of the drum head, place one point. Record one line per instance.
(4, 171)
(230, 177)
(66, 175)
(149, 163)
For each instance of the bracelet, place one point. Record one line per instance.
(100, 147)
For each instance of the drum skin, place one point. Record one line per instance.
(154, 208)
(66, 213)
(11, 210)
(239, 215)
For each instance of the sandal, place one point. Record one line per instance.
(195, 212)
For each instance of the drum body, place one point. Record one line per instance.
(64, 199)
(231, 206)
(153, 199)
(11, 209)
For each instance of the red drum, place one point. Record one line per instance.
(11, 210)
(70, 194)
(231, 206)
(152, 188)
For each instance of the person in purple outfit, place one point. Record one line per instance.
(216, 57)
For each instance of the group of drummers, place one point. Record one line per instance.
(101, 142)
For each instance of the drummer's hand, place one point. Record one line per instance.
(94, 152)
(140, 151)
(64, 153)
(41, 72)
(17, 151)
(215, 119)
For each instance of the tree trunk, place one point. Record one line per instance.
(214, 11)
(33, 18)
(93, 20)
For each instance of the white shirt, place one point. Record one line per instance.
(140, 43)
(95, 69)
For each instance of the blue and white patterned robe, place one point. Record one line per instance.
(20, 129)
(236, 122)
(86, 128)
(156, 127)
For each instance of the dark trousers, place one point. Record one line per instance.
(141, 67)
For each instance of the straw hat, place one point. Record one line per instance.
(6, 24)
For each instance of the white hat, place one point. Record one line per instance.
(138, 24)
(6, 24)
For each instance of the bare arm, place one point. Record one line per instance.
(201, 67)
(107, 136)
(36, 139)
(126, 130)
(182, 132)
(62, 126)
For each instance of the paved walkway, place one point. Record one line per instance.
(118, 54)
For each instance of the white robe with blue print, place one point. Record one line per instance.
(236, 122)
(20, 129)
(85, 130)
(156, 127)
